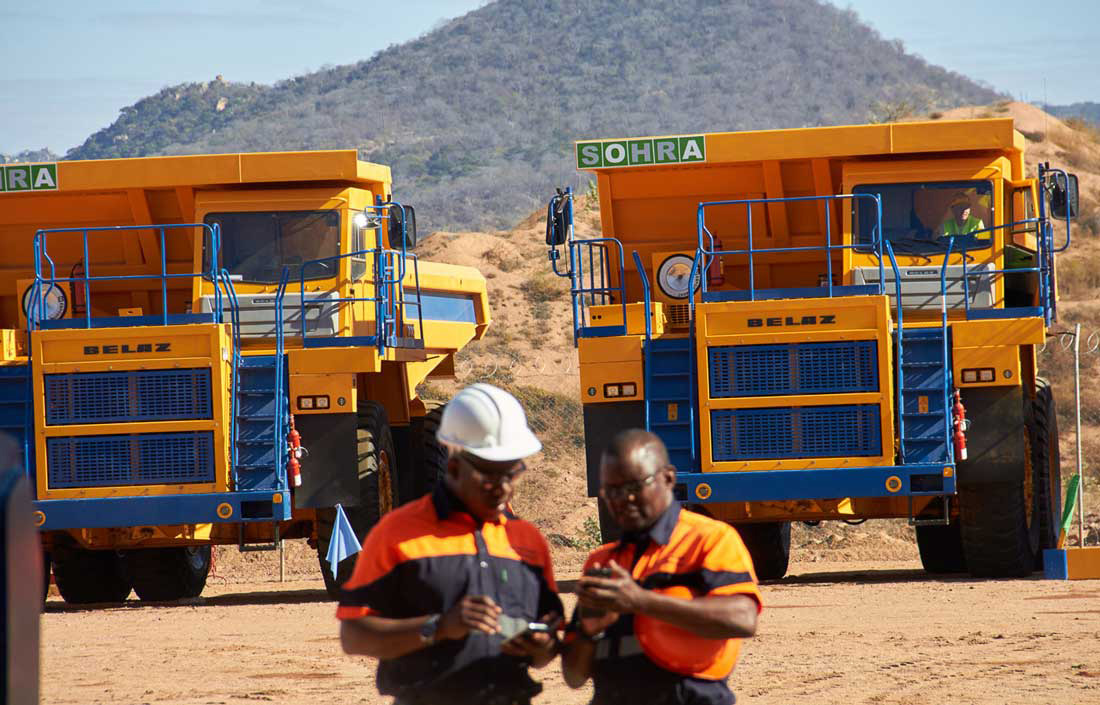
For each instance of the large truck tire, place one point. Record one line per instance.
(84, 577)
(429, 454)
(1003, 523)
(46, 569)
(167, 574)
(941, 550)
(377, 491)
(1043, 439)
(769, 544)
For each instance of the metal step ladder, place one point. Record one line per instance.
(260, 453)
(668, 398)
(925, 380)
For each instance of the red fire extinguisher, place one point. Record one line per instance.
(294, 451)
(959, 414)
(716, 275)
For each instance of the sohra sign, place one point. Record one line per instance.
(28, 177)
(655, 150)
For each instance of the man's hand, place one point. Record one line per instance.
(618, 594)
(471, 613)
(539, 647)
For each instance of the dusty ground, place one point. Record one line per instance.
(833, 632)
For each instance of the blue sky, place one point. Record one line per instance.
(71, 65)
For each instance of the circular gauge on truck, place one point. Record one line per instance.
(52, 306)
(673, 275)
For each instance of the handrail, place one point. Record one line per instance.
(389, 292)
(235, 324)
(577, 290)
(898, 354)
(943, 331)
(280, 413)
(41, 254)
(648, 328)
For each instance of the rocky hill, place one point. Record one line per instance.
(477, 117)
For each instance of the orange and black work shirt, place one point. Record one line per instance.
(643, 660)
(422, 559)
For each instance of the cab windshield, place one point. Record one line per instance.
(256, 246)
(921, 218)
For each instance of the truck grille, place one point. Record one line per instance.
(807, 368)
(796, 432)
(136, 459)
(139, 395)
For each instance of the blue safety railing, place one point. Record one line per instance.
(704, 255)
(45, 271)
(235, 329)
(391, 301)
(647, 301)
(589, 273)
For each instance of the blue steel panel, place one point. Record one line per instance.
(156, 510)
(139, 395)
(137, 459)
(796, 432)
(812, 483)
(807, 368)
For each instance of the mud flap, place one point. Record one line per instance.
(601, 423)
(995, 439)
(330, 473)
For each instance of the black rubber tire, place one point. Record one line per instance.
(377, 492)
(941, 550)
(168, 574)
(429, 455)
(769, 544)
(45, 575)
(1045, 456)
(1002, 535)
(86, 577)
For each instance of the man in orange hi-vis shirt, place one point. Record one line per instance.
(662, 612)
(455, 597)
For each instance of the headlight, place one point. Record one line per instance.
(673, 275)
(54, 303)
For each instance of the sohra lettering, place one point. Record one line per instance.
(655, 150)
(28, 177)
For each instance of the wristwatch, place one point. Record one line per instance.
(429, 629)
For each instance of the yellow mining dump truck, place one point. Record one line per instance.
(830, 324)
(175, 329)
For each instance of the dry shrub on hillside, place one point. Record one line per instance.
(543, 287)
(555, 418)
(502, 260)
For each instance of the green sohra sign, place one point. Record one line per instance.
(656, 150)
(28, 177)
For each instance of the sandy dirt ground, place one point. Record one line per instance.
(832, 632)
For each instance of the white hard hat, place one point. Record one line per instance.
(489, 423)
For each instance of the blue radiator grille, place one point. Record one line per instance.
(138, 459)
(798, 432)
(806, 368)
(139, 395)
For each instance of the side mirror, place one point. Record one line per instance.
(403, 217)
(555, 219)
(1063, 195)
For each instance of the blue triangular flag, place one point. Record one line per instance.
(343, 542)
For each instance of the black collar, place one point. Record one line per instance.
(659, 532)
(446, 503)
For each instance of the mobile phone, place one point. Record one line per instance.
(601, 572)
(533, 628)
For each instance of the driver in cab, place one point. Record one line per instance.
(960, 220)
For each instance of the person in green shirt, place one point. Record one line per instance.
(960, 221)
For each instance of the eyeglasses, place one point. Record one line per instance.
(627, 489)
(491, 478)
